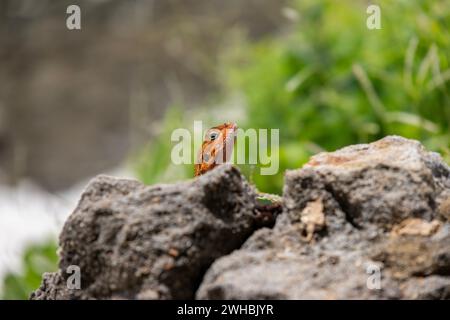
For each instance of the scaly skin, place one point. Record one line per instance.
(217, 147)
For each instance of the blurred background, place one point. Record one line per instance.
(106, 98)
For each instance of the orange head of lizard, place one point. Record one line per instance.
(217, 147)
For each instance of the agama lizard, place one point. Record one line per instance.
(217, 148)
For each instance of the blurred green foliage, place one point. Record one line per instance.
(325, 82)
(328, 81)
(37, 259)
(152, 163)
(331, 82)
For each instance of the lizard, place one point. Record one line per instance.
(217, 148)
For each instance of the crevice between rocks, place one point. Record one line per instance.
(266, 216)
(343, 205)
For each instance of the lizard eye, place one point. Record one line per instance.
(205, 157)
(213, 136)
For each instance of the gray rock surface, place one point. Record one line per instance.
(364, 222)
(132, 241)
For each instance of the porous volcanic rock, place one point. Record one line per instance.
(132, 241)
(365, 222)
(368, 221)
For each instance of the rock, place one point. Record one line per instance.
(365, 222)
(133, 241)
(432, 287)
(378, 184)
(444, 207)
(417, 227)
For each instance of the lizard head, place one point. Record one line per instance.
(216, 148)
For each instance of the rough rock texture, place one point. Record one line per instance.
(138, 242)
(366, 221)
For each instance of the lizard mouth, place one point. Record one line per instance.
(233, 126)
(230, 138)
(230, 133)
